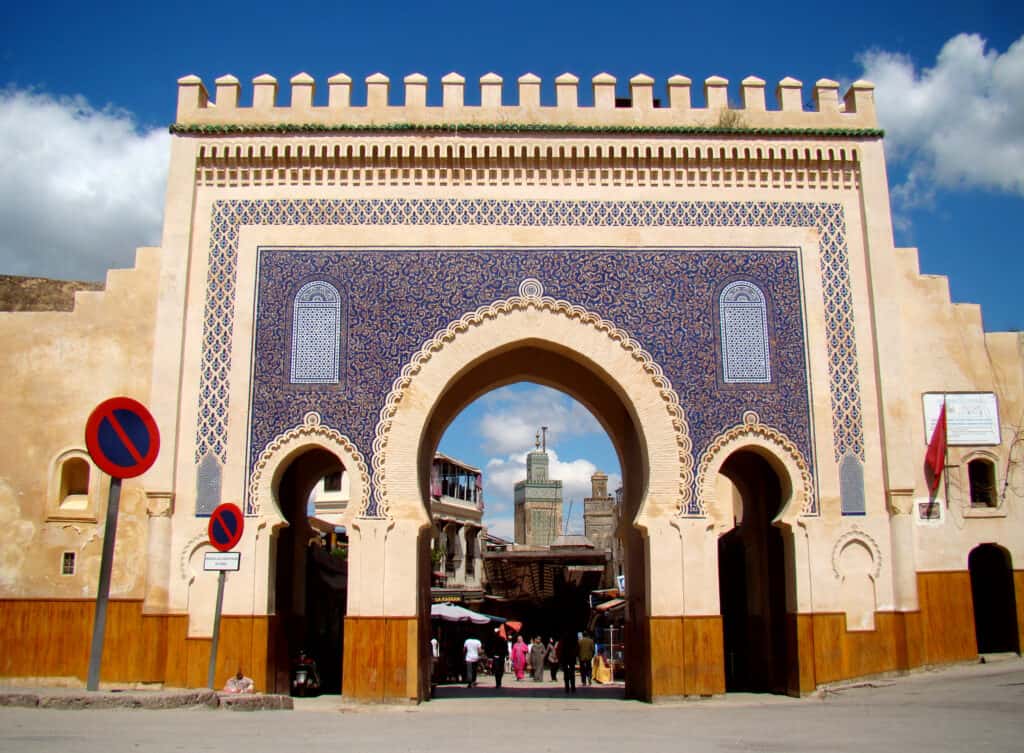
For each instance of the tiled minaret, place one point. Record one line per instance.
(538, 499)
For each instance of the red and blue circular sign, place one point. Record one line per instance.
(225, 527)
(122, 437)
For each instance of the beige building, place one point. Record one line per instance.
(457, 508)
(718, 284)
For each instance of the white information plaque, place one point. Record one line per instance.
(214, 561)
(972, 418)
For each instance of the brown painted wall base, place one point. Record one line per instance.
(947, 617)
(51, 638)
(686, 656)
(43, 638)
(381, 659)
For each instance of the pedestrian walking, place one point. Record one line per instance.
(498, 653)
(471, 650)
(520, 653)
(551, 659)
(586, 659)
(569, 649)
(537, 652)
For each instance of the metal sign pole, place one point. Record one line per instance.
(99, 625)
(216, 631)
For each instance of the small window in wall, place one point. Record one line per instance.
(316, 334)
(743, 318)
(67, 564)
(332, 482)
(982, 476)
(74, 484)
(71, 494)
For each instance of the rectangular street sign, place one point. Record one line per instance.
(214, 561)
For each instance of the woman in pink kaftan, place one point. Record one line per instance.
(519, 653)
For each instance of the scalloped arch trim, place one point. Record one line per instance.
(311, 433)
(531, 297)
(748, 435)
(856, 536)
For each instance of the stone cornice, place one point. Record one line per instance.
(257, 129)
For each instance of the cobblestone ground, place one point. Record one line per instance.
(976, 708)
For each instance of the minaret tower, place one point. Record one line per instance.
(599, 513)
(538, 499)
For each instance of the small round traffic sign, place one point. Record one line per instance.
(225, 527)
(122, 437)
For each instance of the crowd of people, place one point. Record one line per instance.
(504, 654)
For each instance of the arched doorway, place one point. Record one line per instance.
(752, 578)
(524, 338)
(994, 597)
(522, 499)
(546, 365)
(310, 567)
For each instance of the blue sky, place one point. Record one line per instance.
(89, 89)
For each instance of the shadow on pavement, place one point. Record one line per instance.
(529, 689)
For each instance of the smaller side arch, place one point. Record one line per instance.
(856, 564)
(798, 496)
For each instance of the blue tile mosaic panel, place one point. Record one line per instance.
(665, 299)
(826, 217)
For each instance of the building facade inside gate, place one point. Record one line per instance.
(715, 281)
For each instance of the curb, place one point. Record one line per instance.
(78, 701)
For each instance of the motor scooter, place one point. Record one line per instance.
(305, 677)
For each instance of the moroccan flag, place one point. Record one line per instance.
(935, 459)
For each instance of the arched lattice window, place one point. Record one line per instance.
(743, 316)
(316, 334)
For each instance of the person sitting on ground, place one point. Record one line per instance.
(239, 684)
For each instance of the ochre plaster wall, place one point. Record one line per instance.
(58, 367)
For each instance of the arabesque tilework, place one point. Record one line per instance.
(393, 311)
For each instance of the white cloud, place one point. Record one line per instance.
(513, 417)
(502, 473)
(80, 188)
(957, 124)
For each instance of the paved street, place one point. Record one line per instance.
(976, 708)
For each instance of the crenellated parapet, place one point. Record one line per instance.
(851, 115)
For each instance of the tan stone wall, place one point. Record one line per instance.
(59, 366)
(943, 348)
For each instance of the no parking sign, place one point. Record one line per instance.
(123, 441)
(224, 530)
(225, 527)
(122, 437)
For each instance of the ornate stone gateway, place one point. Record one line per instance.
(716, 284)
(384, 268)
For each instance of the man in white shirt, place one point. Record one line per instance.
(471, 650)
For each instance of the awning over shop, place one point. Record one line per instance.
(454, 613)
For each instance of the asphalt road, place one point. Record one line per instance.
(967, 708)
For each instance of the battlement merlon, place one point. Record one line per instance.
(855, 111)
